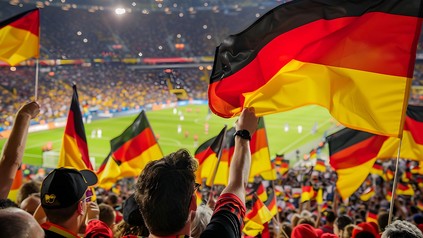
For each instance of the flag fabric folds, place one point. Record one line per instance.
(271, 203)
(333, 53)
(320, 165)
(260, 155)
(16, 185)
(108, 173)
(207, 155)
(135, 147)
(259, 212)
(19, 37)
(352, 155)
(74, 150)
(412, 140)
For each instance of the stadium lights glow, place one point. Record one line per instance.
(257, 15)
(85, 40)
(134, 4)
(204, 27)
(79, 33)
(140, 54)
(120, 11)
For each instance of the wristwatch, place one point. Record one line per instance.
(244, 134)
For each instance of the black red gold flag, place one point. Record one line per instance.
(355, 58)
(74, 150)
(19, 37)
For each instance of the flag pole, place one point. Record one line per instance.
(37, 63)
(218, 160)
(394, 186)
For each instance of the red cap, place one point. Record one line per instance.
(304, 230)
(365, 226)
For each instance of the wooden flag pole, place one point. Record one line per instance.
(37, 63)
(394, 186)
(219, 155)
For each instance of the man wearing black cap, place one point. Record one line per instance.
(165, 190)
(63, 200)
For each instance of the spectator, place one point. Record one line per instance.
(26, 190)
(340, 223)
(63, 200)
(165, 190)
(15, 222)
(31, 203)
(133, 222)
(107, 215)
(201, 219)
(402, 229)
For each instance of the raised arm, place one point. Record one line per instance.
(13, 149)
(241, 160)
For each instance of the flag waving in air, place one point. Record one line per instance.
(135, 147)
(207, 155)
(355, 58)
(352, 155)
(19, 37)
(74, 151)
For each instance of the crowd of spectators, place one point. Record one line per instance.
(101, 87)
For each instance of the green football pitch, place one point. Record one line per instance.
(282, 131)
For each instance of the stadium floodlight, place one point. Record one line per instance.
(120, 11)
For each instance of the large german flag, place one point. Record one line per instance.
(259, 213)
(74, 151)
(135, 147)
(207, 155)
(355, 58)
(19, 37)
(260, 155)
(352, 155)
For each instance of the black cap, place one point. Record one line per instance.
(131, 212)
(64, 187)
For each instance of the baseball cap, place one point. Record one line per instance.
(131, 212)
(64, 187)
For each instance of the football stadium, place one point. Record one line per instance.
(115, 86)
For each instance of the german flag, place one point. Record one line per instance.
(135, 147)
(371, 216)
(19, 37)
(420, 205)
(271, 203)
(320, 166)
(367, 194)
(405, 189)
(260, 155)
(377, 169)
(284, 167)
(389, 175)
(207, 155)
(74, 151)
(259, 212)
(352, 155)
(252, 228)
(419, 181)
(278, 159)
(307, 193)
(354, 58)
(261, 192)
(108, 173)
(416, 169)
(16, 185)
